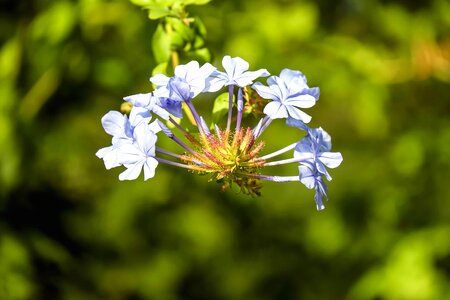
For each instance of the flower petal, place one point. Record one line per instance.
(265, 91)
(298, 114)
(132, 172)
(275, 110)
(159, 79)
(247, 78)
(114, 123)
(299, 100)
(331, 159)
(234, 66)
(149, 167)
(307, 176)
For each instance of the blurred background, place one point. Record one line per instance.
(69, 229)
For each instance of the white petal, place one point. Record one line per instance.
(247, 78)
(275, 110)
(215, 82)
(129, 154)
(265, 91)
(114, 123)
(132, 172)
(160, 79)
(307, 176)
(331, 159)
(303, 101)
(149, 167)
(298, 114)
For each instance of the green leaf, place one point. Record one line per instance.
(220, 107)
(201, 55)
(185, 32)
(198, 42)
(161, 45)
(158, 12)
(195, 2)
(200, 27)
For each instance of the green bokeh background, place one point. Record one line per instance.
(69, 229)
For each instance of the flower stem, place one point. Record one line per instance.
(195, 115)
(279, 152)
(285, 161)
(172, 163)
(160, 150)
(262, 125)
(230, 105)
(172, 136)
(240, 108)
(278, 178)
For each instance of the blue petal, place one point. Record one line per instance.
(247, 78)
(179, 89)
(149, 167)
(275, 110)
(114, 123)
(297, 123)
(331, 159)
(307, 176)
(298, 114)
(265, 91)
(132, 172)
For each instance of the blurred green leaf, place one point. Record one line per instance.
(161, 45)
(220, 108)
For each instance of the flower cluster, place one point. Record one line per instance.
(229, 156)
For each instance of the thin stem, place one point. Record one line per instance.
(278, 152)
(263, 127)
(240, 108)
(285, 161)
(172, 163)
(178, 126)
(259, 128)
(278, 178)
(160, 150)
(230, 105)
(172, 136)
(195, 115)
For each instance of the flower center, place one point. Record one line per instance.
(228, 158)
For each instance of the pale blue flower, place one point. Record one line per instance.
(194, 75)
(143, 104)
(315, 148)
(122, 130)
(289, 92)
(118, 125)
(139, 155)
(235, 74)
(313, 180)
